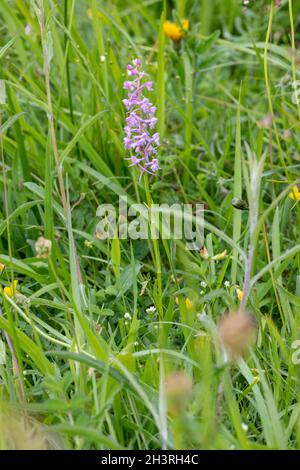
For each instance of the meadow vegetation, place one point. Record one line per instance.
(123, 344)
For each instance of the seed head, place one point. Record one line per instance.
(237, 332)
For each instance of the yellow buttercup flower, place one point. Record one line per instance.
(295, 194)
(188, 303)
(11, 290)
(175, 32)
(240, 294)
(185, 25)
(2, 267)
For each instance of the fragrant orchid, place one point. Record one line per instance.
(140, 121)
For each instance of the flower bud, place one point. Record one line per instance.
(178, 388)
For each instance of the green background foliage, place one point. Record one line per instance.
(68, 356)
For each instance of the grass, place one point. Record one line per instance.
(77, 370)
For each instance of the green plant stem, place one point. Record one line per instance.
(268, 88)
(156, 253)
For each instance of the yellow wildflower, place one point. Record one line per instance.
(175, 32)
(295, 194)
(2, 267)
(11, 290)
(256, 373)
(89, 13)
(219, 256)
(185, 25)
(188, 303)
(239, 294)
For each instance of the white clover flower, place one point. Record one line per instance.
(226, 283)
(202, 316)
(151, 309)
(102, 58)
(245, 426)
(43, 247)
(127, 316)
(203, 284)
